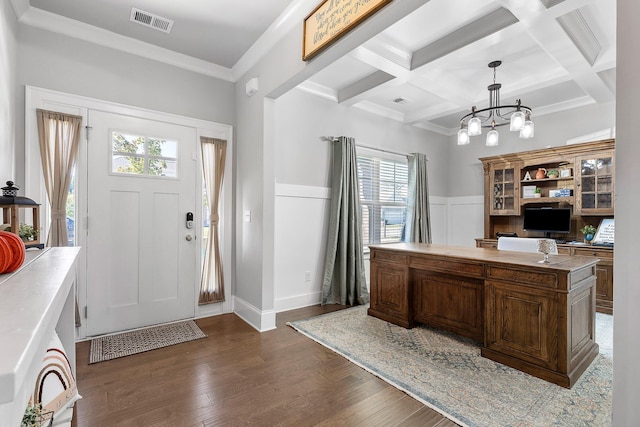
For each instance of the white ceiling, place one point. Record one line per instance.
(557, 54)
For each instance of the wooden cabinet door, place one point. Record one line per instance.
(452, 303)
(604, 276)
(594, 184)
(390, 294)
(522, 322)
(504, 188)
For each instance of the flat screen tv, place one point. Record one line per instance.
(548, 220)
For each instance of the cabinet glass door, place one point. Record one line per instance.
(596, 184)
(504, 191)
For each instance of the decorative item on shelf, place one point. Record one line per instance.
(11, 205)
(12, 252)
(27, 233)
(10, 190)
(541, 173)
(527, 177)
(518, 117)
(538, 192)
(589, 232)
(565, 173)
(528, 191)
(553, 173)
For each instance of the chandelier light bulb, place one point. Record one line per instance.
(475, 126)
(492, 138)
(528, 130)
(463, 137)
(517, 121)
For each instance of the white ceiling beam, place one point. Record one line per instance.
(551, 37)
(20, 7)
(378, 60)
(355, 91)
(478, 29)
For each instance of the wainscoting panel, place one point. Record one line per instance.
(438, 214)
(465, 220)
(301, 214)
(300, 233)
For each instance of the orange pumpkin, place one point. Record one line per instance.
(12, 252)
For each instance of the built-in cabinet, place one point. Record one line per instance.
(505, 188)
(583, 179)
(594, 180)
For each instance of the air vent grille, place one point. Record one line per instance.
(150, 20)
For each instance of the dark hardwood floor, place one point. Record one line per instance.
(238, 376)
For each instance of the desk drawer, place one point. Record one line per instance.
(388, 256)
(596, 252)
(458, 268)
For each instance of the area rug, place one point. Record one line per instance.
(127, 343)
(448, 374)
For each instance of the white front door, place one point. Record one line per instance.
(140, 256)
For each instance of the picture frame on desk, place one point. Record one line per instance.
(605, 232)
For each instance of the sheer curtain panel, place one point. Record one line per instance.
(418, 218)
(213, 161)
(344, 276)
(59, 136)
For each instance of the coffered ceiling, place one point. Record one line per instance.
(426, 70)
(430, 68)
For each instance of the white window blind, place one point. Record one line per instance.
(383, 197)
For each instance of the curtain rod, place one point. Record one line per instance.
(333, 138)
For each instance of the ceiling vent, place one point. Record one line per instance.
(150, 20)
(399, 100)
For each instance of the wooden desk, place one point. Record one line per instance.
(537, 318)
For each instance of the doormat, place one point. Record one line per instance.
(127, 343)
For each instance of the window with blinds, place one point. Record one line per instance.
(383, 197)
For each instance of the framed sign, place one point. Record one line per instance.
(332, 19)
(605, 232)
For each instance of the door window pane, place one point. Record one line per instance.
(143, 155)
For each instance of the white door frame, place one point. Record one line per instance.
(80, 105)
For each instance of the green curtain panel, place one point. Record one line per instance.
(344, 276)
(418, 218)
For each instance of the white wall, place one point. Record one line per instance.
(61, 63)
(8, 105)
(302, 174)
(279, 71)
(626, 292)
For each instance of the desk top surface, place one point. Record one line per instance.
(485, 255)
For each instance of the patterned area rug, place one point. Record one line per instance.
(128, 343)
(448, 374)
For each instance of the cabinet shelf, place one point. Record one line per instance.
(529, 200)
(566, 178)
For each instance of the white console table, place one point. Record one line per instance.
(34, 300)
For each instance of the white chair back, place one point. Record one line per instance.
(524, 244)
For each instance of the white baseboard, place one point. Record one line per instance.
(215, 309)
(297, 301)
(262, 321)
